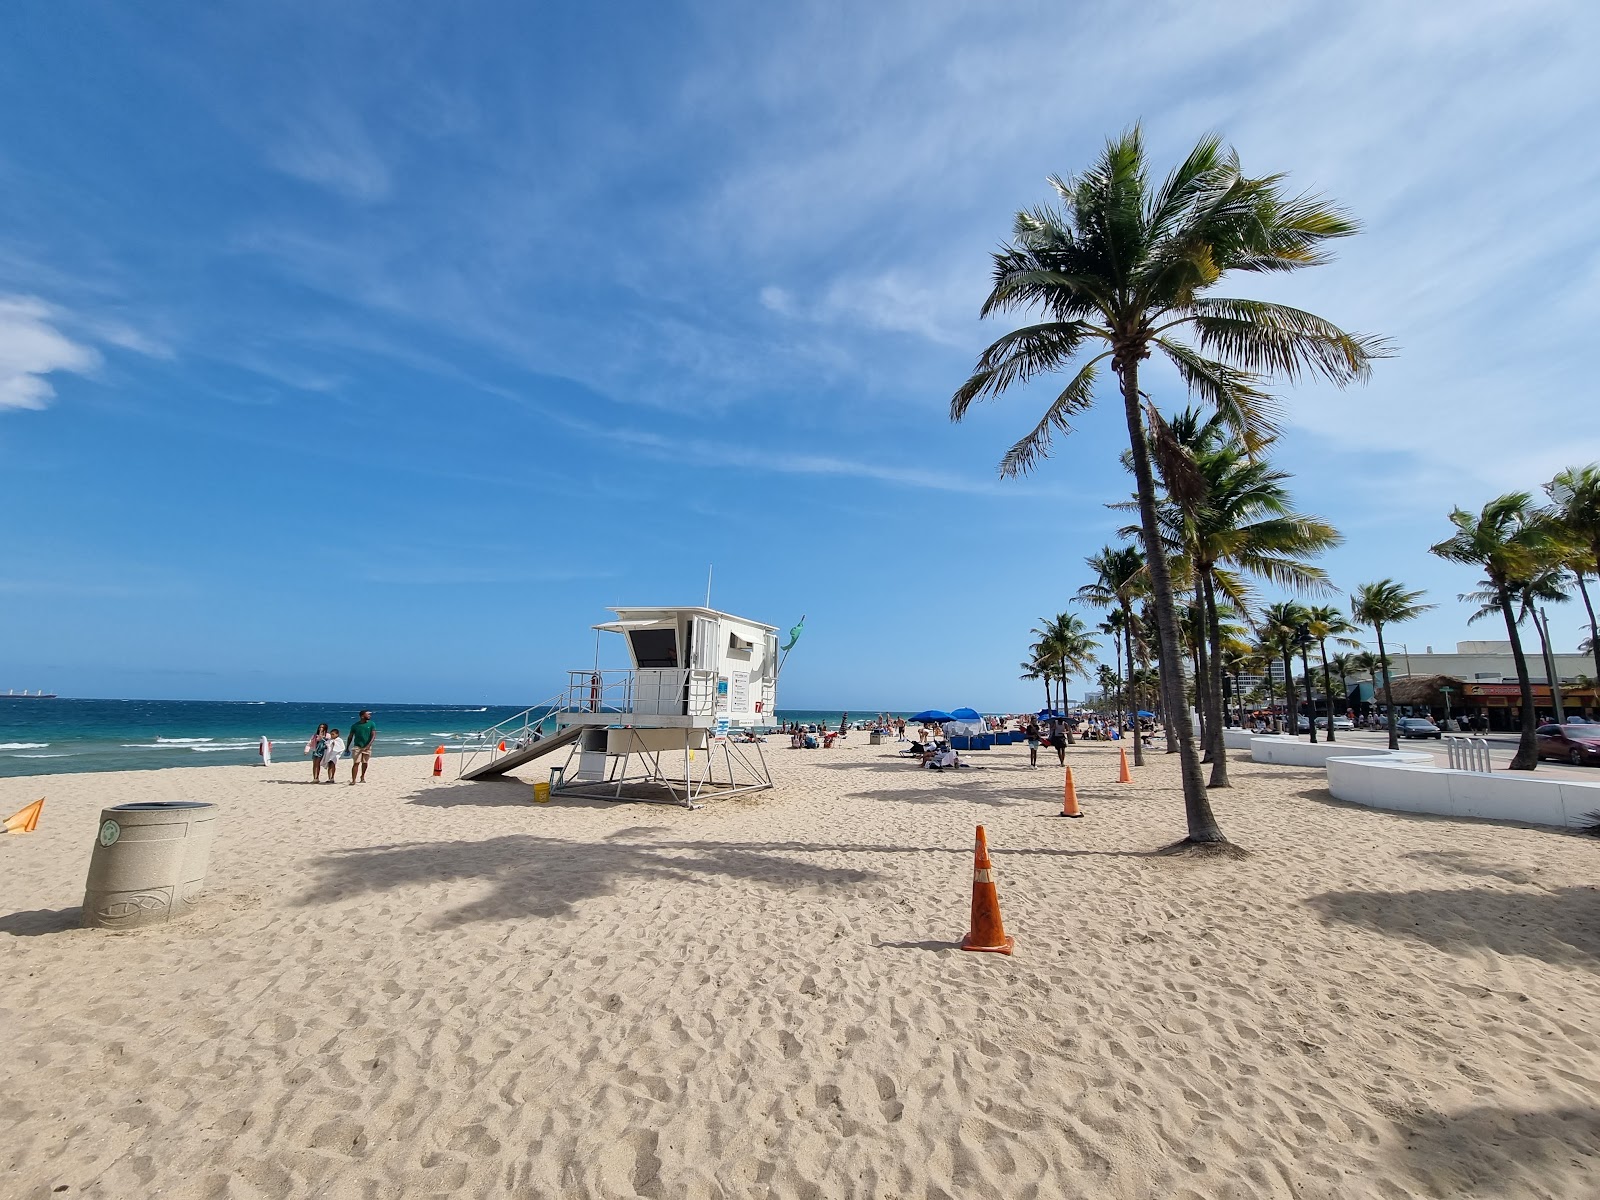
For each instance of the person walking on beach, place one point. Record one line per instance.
(362, 734)
(1033, 742)
(315, 747)
(331, 752)
(1058, 738)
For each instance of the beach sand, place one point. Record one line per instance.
(423, 989)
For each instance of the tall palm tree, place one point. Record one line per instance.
(1067, 649)
(1371, 665)
(1508, 539)
(1231, 515)
(1575, 506)
(1328, 622)
(1379, 605)
(1124, 268)
(1120, 578)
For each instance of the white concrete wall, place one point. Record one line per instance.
(1237, 739)
(1292, 752)
(1407, 781)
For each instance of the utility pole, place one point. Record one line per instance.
(1543, 617)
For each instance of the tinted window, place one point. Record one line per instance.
(655, 647)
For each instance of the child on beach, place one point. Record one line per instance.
(331, 753)
(1033, 743)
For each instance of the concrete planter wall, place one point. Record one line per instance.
(1407, 781)
(149, 864)
(1292, 752)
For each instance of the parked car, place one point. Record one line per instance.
(1304, 725)
(1577, 744)
(1417, 727)
(1338, 723)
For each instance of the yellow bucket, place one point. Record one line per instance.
(541, 793)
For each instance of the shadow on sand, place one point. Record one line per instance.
(1560, 926)
(1490, 1151)
(535, 876)
(38, 921)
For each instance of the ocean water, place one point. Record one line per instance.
(47, 737)
(44, 737)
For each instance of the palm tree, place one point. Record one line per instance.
(1124, 268)
(1342, 664)
(1120, 578)
(1380, 604)
(1281, 624)
(1575, 507)
(1230, 513)
(1065, 648)
(1328, 622)
(1508, 538)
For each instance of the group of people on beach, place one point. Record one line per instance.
(326, 747)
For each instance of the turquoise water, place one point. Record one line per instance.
(47, 737)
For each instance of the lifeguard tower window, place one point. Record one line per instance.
(654, 647)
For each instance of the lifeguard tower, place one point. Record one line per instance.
(677, 726)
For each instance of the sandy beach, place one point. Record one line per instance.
(426, 989)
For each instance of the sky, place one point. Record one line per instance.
(360, 350)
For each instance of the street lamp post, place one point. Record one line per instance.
(1445, 691)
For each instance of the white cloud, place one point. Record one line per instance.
(32, 348)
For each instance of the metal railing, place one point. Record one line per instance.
(1468, 754)
(515, 733)
(647, 691)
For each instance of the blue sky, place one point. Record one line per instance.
(370, 350)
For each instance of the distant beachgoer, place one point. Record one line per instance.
(331, 752)
(314, 747)
(1058, 739)
(362, 734)
(1033, 743)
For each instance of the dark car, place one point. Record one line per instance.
(1417, 727)
(1577, 744)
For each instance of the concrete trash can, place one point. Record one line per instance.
(875, 738)
(149, 863)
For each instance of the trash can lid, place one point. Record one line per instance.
(147, 805)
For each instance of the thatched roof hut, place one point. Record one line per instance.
(1424, 689)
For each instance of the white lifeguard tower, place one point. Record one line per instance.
(677, 726)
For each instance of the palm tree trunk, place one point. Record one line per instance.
(1201, 707)
(1594, 629)
(1066, 710)
(1388, 687)
(1527, 756)
(1047, 692)
(1311, 696)
(1344, 697)
(1213, 683)
(1291, 696)
(1541, 622)
(1327, 689)
(1132, 692)
(1272, 699)
(1202, 822)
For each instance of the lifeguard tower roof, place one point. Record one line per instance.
(634, 618)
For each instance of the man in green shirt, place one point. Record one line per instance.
(362, 734)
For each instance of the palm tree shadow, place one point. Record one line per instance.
(1560, 925)
(532, 876)
(1489, 1151)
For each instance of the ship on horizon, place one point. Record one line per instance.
(27, 695)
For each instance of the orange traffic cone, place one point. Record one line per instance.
(1069, 799)
(1122, 771)
(27, 820)
(438, 762)
(988, 932)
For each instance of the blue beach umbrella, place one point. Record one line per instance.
(931, 716)
(965, 714)
(1050, 714)
(1144, 713)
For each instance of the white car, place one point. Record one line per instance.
(1338, 723)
